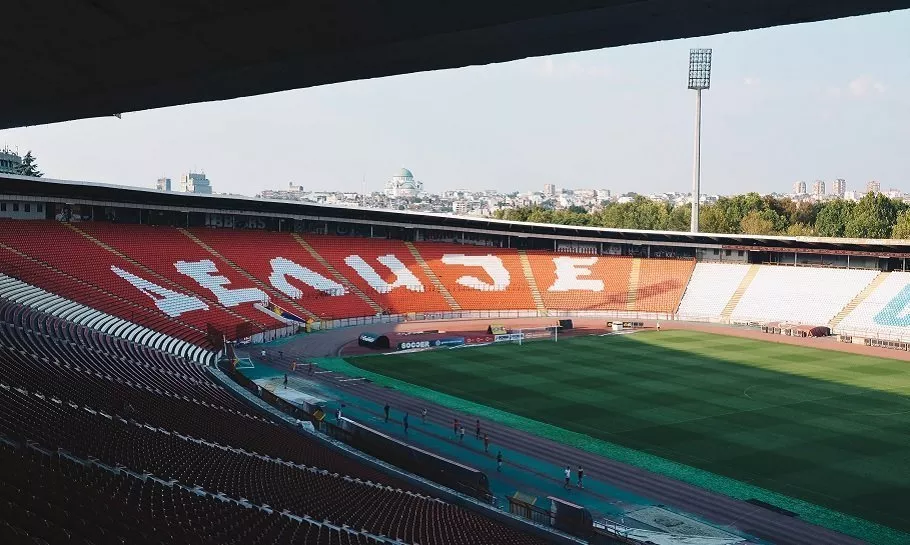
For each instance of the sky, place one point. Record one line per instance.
(803, 102)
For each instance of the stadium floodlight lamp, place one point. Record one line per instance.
(699, 80)
(699, 69)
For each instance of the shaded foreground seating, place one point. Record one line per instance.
(194, 466)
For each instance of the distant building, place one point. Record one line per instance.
(163, 184)
(193, 182)
(799, 188)
(403, 185)
(9, 161)
(873, 187)
(839, 187)
(549, 190)
(818, 188)
(461, 207)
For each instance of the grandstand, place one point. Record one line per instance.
(109, 330)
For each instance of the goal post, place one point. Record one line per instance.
(538, 333)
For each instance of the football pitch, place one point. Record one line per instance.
(826, 427)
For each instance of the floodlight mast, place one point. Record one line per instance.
(699, 80)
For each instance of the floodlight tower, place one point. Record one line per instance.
(699, 80)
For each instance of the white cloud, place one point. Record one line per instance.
(865, 86)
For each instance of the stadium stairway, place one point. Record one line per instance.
(532, 282)
(634, 278)
(259, 324)
(260, 284)
(738, 294)
(432, 276)
(856, 301)
(338, 276)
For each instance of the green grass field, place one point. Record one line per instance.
(826, 427)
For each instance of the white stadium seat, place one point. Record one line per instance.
(709, 289)
(804, 295)
(884, 313)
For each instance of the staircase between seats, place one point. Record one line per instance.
(634, 280)
(432, 276)
(262, 285)
(738, 294)
(159, 277)
(532, 282)
(855, 302)
(338, 276)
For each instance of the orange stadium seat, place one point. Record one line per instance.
(474, 287)
(602, 281)
(72, 266)
(170, 247)
(661, 284)
(254, 251)
(396, 293)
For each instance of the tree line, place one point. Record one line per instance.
(874, 216)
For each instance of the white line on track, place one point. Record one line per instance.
(350, 379)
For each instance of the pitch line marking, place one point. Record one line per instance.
(320, 372)
(746, 391)
(350, 379)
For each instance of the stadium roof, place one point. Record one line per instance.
(88, 58)
(134, 197)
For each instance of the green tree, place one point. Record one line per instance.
(680, 217)
(831, 220)
(901, 225)
(29, 166)
(759, 223)
(873, 217)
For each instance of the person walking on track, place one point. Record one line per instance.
(568, 473)
(477, 430)
(285, 380)
(386, 409)
(461, 434)
(455, 428)
(486, 443)
(423, 416)
(581, 478)
(499, 461)
(404, 422)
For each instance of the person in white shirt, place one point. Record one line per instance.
(568, 473)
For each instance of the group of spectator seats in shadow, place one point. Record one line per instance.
(104, 441)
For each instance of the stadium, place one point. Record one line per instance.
(718, 388)
(182, 368)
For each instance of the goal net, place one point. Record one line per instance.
(550, 332)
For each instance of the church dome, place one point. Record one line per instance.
(404, 173)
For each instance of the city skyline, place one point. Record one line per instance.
(837, 105)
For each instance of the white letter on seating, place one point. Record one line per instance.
(204, 272)
(403, 277)
(169, 302)
(490, 264)
(568, 271)
(282, 268)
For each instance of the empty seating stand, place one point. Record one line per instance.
(104, 441)
(805, 295)
(309, 283)
(589, 283)
(479, 278)
(385, 270)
